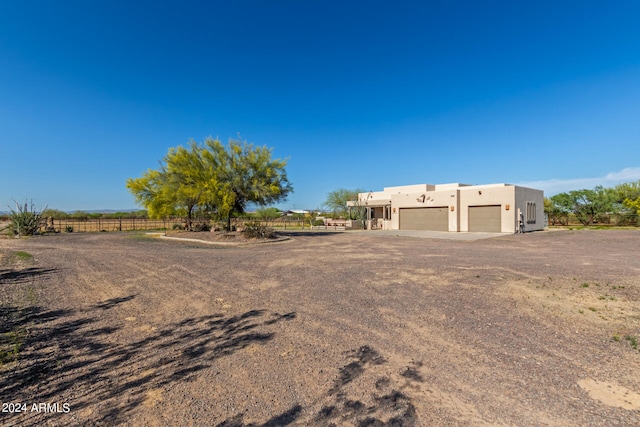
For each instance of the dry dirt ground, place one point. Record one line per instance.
(324, 329)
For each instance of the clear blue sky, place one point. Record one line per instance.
(355, 94)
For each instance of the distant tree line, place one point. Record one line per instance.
(85, 216)
(262, 213)
(594, 206)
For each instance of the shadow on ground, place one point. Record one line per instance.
(104, 378)
(108, 373)
(384, 403)
(301, 233)
(22, 275)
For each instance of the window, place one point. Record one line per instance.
(531, 212)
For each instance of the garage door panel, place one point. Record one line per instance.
(433, 218)
(485, 218)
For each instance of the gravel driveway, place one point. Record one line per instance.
(344, 329)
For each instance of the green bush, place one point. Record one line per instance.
(201, 226)
(54, 213)
(10, 344)
(254, 230)
(627, 218)
(25, 220)
(69, 229)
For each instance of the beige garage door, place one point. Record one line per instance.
(485, 218)
(435, 219)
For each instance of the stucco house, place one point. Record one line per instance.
(500, 208)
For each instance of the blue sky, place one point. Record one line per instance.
(355, 94)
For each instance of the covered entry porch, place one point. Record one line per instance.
(375, 213)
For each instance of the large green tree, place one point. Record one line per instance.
(183, 183)
(586, 205)
(336, 201)
(248, 174)
(211, 179)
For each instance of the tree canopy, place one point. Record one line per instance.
(211, 180)
(337, 200)
(268, 213)
(588, 205)
(629, 195)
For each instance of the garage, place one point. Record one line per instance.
(485, 218)
(432, 218)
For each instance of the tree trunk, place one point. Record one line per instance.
(189, 218)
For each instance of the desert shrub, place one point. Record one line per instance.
(54, 213)
(26, 220)
(627, 218)
(69, 229)
(177, 226)
(254, 230)
(80, 216)
(201, 226)
(142, 214)
(10, 344)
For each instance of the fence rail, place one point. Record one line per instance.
(108, 224)
(140, 224)
(134, 224)
(612, 220)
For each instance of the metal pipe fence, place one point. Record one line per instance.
(609, 220)
(136, 224)
(108, 224)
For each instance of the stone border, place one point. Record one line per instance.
(208, 242)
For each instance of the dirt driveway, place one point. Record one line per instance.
(324, 329)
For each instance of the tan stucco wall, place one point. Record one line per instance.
(376, 196)
(405, 189)
(486, 195)
(524, 195)
(452, 186)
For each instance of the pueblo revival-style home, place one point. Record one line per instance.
(499, 208)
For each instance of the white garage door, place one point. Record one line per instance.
(435, 219)
(485, 218)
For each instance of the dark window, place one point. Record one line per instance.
(531, 212)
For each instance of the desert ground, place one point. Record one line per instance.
(343, 329)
